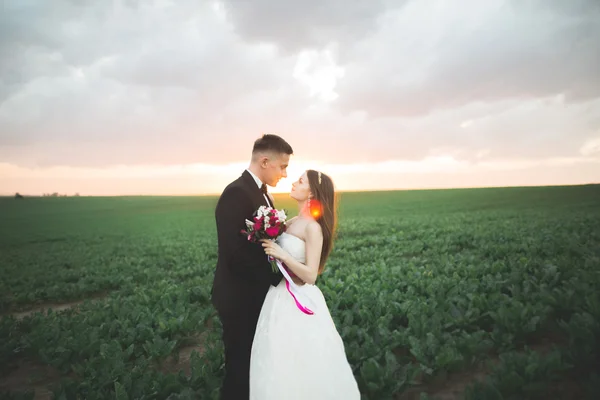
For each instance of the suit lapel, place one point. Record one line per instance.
(257, 195)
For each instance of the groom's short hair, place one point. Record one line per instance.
(271, 143)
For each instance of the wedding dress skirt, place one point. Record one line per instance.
(296, 355)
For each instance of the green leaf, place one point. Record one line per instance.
(120, 392)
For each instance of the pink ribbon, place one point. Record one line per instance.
(294, 290)
(305, 310)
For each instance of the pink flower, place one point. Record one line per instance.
(272, 231)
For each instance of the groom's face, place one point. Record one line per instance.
(276, 168)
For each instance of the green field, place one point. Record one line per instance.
(492, 293)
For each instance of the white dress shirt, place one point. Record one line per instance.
(259, 183)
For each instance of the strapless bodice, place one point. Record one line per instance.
(293, 245)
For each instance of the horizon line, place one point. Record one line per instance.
(215, 194)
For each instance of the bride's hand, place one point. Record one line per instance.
(273, 249)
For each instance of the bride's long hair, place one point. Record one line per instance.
(325, 210)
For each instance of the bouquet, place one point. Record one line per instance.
(267, 223)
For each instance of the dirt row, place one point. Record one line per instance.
(29, 375)
(56, 307)
(454, 385)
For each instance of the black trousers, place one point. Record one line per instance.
(238, 334)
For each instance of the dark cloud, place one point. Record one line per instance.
(298, 25)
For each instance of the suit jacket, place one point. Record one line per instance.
(243, 273)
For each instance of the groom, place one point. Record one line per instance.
(243, 274)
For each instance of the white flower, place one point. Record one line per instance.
(249, 223)
(263, 211)
(281, 215)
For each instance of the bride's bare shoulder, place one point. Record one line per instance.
(313, 229)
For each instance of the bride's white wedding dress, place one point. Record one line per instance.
(295, 355)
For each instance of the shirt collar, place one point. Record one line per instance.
(258, 181)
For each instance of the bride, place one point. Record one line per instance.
(296, 355)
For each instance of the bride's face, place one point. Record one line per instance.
(301, 188)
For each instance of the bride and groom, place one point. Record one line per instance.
(272, 349)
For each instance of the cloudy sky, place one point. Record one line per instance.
(166, 97)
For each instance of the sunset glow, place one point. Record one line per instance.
(195, 179)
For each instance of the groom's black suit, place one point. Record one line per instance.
(242, 279)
